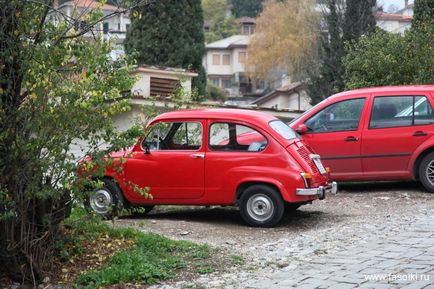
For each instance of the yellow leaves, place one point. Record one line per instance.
(17, 14)
(285, 36)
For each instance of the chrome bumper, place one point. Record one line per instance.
(320, 191)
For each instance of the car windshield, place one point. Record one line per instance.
(283, 129)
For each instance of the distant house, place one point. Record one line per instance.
(247, 25)
(291, 97)
(160, 82)
(224, 62)
(113, 28)
(397, 22)
(393, 22)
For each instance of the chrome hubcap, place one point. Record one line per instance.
(429, 172)
(260, 207)
(101, 201)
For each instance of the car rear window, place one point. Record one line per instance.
(283, 129)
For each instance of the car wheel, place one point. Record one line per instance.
(426, 172)
(261, 206)
(106, 201)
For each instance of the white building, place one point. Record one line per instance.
(397, 22)
(224, 62)
(291, 97)
(113, 28)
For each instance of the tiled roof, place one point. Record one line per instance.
(246, 20)
(232, 41)
(393, 17)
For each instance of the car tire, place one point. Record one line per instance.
(106, 201)
(261, 206)
(426, 172)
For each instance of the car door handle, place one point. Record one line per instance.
(420, 133)
(197, 156)
(351, 138)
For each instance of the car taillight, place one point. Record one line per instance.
(307, 178)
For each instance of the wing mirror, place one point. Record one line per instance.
(146, 149)
(301, 129)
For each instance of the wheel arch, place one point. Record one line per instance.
(418, 160)
(246, 184)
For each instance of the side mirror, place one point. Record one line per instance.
(301, 129)
(146, 149)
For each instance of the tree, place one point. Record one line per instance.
(169, 33)
(56, 88)
(342, 21)
(248, 8)
(423, 14)
(393, 59)
(220, 24)
(285, 34)
(359, 19)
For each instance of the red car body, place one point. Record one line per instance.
(212, 157)
(380, 133)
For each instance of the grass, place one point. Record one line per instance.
(125, 255)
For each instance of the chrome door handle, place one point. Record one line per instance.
(197, 156)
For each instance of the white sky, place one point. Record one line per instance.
(387, 3)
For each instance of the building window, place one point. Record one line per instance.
(226, 59)
(127, 26)
(215, 81)
(119, 26)
(226, 83)
(105, 27)
(242, 57)
(216, 59)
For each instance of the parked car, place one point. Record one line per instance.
(217, 157)
(379, 133)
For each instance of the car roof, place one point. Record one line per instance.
(217, 113)
(383, 89)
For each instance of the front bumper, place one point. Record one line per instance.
(320, 191)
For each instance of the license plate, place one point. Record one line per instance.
(319, 165)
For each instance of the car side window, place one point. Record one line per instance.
(235, 137)
(340, 116)
(174, 136)
(398, 111)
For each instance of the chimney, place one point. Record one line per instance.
(405, 3)
(55, 4)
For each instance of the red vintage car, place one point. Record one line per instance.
(379, 133)
(217, 157)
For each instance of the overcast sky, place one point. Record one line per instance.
(387, 3)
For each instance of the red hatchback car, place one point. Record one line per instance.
(380, 133)
(218, 157)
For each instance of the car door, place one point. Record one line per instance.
(334, 133)
(397, 125)
(174, 166)
(235, 149)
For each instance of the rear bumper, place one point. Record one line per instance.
(319, 191)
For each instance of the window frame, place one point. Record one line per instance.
(398, 95)
(226, 57)
(365, 98)
(211, 123)
(168, 134)
(214, 57)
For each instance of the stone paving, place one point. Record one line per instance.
(401, 260)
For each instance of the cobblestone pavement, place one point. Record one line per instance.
(403, 260)
(369, 236)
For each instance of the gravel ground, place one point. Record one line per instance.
(359, 213)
